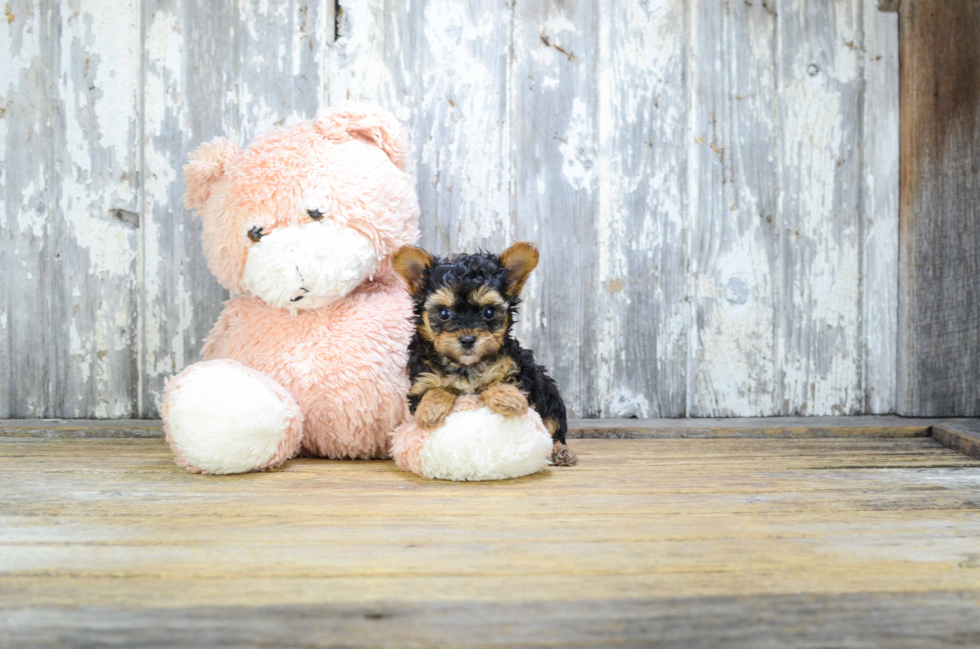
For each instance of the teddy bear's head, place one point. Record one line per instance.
(304, 215)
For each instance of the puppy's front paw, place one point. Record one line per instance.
(561, 455)
(433, 409)
(505, 399)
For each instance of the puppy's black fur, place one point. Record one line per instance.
(476, 296)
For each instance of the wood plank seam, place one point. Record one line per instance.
(958, 434)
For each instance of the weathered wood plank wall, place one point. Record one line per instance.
(939, 370)
(713, 184)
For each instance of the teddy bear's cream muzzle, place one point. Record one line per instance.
(308, 266)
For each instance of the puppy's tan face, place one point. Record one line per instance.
(466, 327)
(465, 300)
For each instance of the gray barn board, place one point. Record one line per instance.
(939, 316)
(713, 185)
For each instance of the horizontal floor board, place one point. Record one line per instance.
(960, 435)
(894, 620)
(107, 538)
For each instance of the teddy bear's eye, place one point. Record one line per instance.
(444, 314)
(255, 234)
(316, 215)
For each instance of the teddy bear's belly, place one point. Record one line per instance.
(344, 364)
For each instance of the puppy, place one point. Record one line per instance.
(465, 306)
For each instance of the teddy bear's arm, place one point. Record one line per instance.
(214, 344)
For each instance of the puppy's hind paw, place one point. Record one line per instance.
(561, 455)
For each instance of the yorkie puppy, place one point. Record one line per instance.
(465, 306)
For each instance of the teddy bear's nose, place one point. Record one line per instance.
(467, 341)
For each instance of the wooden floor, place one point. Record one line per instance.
(841, 542)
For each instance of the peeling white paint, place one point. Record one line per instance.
(623, 403)
(879, 209)
(724, 258)
(30, 218)
(576, 148)
(469, 140)
(819, 341)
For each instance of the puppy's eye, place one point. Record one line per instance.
(255, 234)
(489, 312)
(316, 215)
(444, 314)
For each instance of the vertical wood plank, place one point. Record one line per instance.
(189, 77)
(73, 302)
(463, 126)
(212, 69)
(734, 210)
(26, 211)
(879, 209)
(939, 300)
(94, 292)
(555, 179)
(820, 228)
(373, 58)
(641, 296)
(279, 45)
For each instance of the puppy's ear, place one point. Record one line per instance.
(412, 263)
(205, 166)
(519, 260)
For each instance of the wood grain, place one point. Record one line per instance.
(746, 427)
(106, 539)
(641, 297)
(939, 305)
(820, 229)
(900, 621)
(878, 246)
(25, 152)
(556, 183)
(672, 160)
(71, 176)
(962, 436)
(734, 220)
(462, 70)
(750, 427)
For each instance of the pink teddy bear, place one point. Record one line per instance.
(310, 355)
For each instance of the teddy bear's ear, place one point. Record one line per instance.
(369, 123)
(206, 164)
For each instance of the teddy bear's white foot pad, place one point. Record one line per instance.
(475, 444)
(223, 417)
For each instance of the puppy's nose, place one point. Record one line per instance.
(467, 341)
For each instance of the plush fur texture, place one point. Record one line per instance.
(222, 417)
(301, 226)
(474, 444)
(308, 266)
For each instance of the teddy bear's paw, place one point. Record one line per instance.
(505, 399)
(561, 455)
(223, 417)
